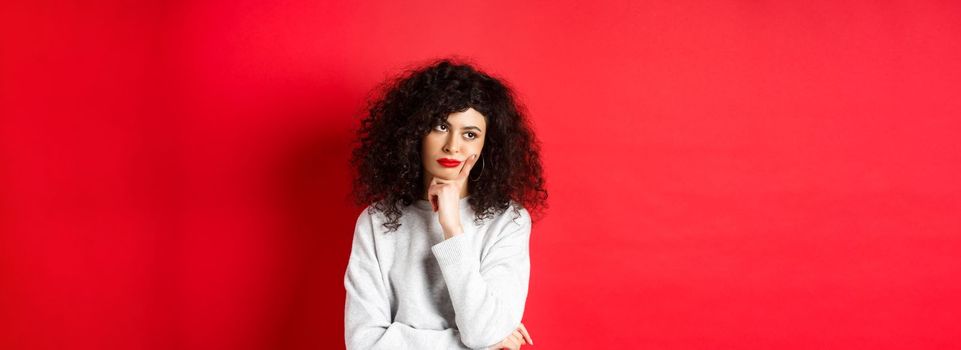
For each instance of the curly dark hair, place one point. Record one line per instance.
(386, 160)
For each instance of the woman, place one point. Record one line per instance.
(443, 144)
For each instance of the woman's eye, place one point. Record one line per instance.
(473, 135)
(440, 127)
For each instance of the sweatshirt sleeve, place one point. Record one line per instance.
(367, 315)
(488, 295)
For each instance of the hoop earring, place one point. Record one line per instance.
(482, 171)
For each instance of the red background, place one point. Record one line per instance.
(723, 174)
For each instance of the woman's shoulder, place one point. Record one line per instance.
(369, 217)
(514, 217)
(372, 212)
(374, 218)
(508, 228)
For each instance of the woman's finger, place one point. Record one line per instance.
(464, 171)
(430, 196)
(514, 344)
(433, 195)
(526, 334)
(434, 192)
(518, 337)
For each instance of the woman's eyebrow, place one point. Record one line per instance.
(470, 127)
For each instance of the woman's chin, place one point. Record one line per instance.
(444, 175)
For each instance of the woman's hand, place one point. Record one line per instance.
(444, 197)
(515, 340)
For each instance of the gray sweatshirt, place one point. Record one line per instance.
(412, 289)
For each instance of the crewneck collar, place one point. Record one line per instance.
(425, 204)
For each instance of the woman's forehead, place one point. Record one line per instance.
(469, 118)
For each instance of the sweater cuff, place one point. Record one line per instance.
(453, 251)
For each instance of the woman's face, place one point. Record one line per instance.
(461, 137)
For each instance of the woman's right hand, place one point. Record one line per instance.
(515, 340)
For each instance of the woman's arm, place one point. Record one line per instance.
(367, 317)
(488, 296)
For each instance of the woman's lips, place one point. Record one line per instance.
(447, 162)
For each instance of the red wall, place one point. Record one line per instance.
(733, 174)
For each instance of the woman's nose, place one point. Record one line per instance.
(452, 146)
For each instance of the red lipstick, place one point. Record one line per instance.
(447, 162)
